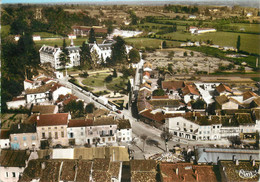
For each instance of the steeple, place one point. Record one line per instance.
(71, 42)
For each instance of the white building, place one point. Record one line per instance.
(60, 90)
(124, 131)
(4, 139)
(125, 33)
(36, 37)
(49, 54)
(77, 131)
(182, 127)
(72, 36)
(16, 103)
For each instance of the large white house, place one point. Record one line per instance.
(49, 54)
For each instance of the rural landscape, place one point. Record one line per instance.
(129, 91)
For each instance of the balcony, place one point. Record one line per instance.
(107, 135)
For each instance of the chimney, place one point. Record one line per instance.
(43, 165)
(19, 126)
(28, 152)
(196, 118)
(237, 162)
(177, 171)
(38, 118)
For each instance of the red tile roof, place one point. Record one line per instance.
(159, 116)
(29, 81)
(172, 85)
(190, 89)
(160, 97)
(221, 88)
(146, 74)
(181, 172)
(52, 119)
(249, 94)
(80, 122)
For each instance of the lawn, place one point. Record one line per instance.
(46, 34)
(249, 42)
(149, 42)
(5, 30)
(95, 80)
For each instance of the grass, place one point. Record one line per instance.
(149, 42)
(95, 80)
(5, 29)
(46, 34)
(249, 42)
(117, 84)
(257, 79)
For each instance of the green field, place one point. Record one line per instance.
(249, 42)
(255, 28)
(46, 34)
(5, 30)
(149, 42)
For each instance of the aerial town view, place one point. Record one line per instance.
(130, 91)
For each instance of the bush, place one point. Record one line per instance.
(109, 78)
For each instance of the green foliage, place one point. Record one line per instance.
(76, 108)
(90, 108)
(238, 43)
(191, 53)
(170, 69)
(85, 55)
(159, 92)
(118, 51)
(133, 17)
(92, 37)
(171, 54)
(114, 73)
(185, 54)
(109, 79)
(164, 44)
(134, 55)
(198, 104)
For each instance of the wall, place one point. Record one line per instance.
(15, 104)
(4, 143)
(10, 171)
(79, 134)
(24, 141)
(60, 91)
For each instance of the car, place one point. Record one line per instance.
(119, 112)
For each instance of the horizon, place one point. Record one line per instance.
(249, 3)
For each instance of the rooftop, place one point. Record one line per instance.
(181, 172)
(143, 170)
(52, 119)
(123, 124)
(190, 89)
(14, 158)
(174, 85)
(80, 122)
(104, 121)
(222, 87)
(43, 109)
(22, 128)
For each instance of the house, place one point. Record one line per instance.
(186, 172)
(237, 170)
(147, 67)
(223, 89)
(182, 127)
(249, 14)
(12, 164)
(49, 54)
(77, 130)
(124, 130)
(36, 37)
(125, 33)
(58, 90)
(143, 170)
(192, 17)
(4, 139)
(146, 75)
(17, 37)
(173, 87)
(102, 132)
(193, 29)
(23, 136)
(205, 30)
(73, 170)
(52, 128)
(223, 103)
(16, 102)
(44, 109)
(249, 96)
(214, 155)
(72, 36)
(190, 92)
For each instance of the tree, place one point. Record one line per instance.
(114, 73)
(90, 108)
(171, 54)
(109, 79)
(185, 54)
(235, 140)
(95, 59)
(92, 37)
(143, 137)
(128, 86)
(166, 136)
(170, 69)
(164, 44)
(134, 55)
(110, 29)
(64, 59)
(118, 51)
(238, 43)
(85, 55)
(152, 142)
(159, 92)
(76, 108)
(198, 104)
(191, 53)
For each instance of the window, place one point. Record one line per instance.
(62, 127)
(15, 138)
(55, 127)
(6, 174)
(62, 134)
(24, 138)
(56, 135)
(81, 128)
(33, 138)
(90, 132)
(191, 126)
(43, 135)
(184, 124)
(13, 174)
(214, 127)
(103, 139)
(81, 133)
(177, 123)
